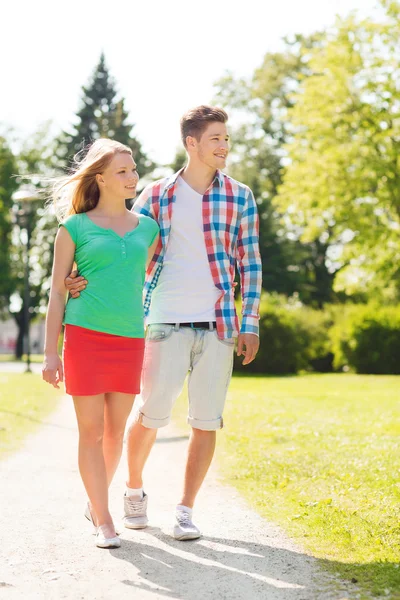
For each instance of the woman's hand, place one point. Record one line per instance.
(52, 370)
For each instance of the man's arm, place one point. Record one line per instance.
(249, 265)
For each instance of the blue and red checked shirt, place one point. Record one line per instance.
(230, 225)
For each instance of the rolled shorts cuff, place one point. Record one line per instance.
(206, 425)
(151, 423)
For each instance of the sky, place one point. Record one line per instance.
(165, 55)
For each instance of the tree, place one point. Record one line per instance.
(342, 184)
(260, 107)
(35, 157)
(102, 114)
(8, 185)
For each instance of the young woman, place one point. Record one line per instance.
(104, 327)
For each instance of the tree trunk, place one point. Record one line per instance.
(19, 347)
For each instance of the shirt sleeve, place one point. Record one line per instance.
(71, 225)
(249, 264)
(144, 204)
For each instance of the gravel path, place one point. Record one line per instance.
(47, 549)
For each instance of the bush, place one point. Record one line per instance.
(366, 338)
(361, 337)
(291, 338)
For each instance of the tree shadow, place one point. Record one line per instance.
(227, 568)
(34, 420)
(166, 440)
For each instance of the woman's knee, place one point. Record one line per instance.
(114, 433)
(91, 433)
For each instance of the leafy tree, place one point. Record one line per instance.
(101, 114)
(259, 108)
(8, 185)
(35, 157)
(342, 184)
(180, 160)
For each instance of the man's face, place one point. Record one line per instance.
(213, 147)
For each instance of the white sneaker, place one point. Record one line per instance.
(184, 528)
(104, 542)
(89, 517)
(135, 512)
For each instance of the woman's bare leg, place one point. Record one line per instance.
(90, 416)
(117, 408)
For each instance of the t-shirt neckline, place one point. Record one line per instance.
(112, 230)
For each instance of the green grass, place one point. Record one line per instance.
(35, 358)
(320, 455)
(25, 400)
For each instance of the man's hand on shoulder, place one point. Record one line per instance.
(75, 284)
(248, 344)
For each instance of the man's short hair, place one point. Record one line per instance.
(196, 120)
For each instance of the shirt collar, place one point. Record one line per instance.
(171, 181)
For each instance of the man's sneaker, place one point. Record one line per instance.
(135, 512)
(184, 528)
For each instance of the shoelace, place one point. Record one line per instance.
(183, 518)
(135, 506)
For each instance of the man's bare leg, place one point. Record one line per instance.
(140, 443)
(200, 453)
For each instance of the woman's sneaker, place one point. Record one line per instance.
(184, 528)
(102, 539)
(135, 512)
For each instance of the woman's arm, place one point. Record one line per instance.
(64, 251)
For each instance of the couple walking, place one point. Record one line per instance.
(189, 231)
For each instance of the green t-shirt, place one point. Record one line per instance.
(115, 269)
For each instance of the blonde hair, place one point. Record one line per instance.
(79, 192)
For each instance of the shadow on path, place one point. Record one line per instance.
(224, 568)
(33, 419)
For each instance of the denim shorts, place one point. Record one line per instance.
(172, 353)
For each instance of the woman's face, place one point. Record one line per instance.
(120, 178)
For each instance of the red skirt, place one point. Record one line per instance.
(97, 363)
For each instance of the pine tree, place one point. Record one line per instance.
(102, 115)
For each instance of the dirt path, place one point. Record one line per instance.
(47, 550)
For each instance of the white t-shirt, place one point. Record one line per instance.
(185, 291)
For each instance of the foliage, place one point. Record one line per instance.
(292, 337)
(35, 157)
(101, 114)
(179, 161)
(8, 185)
(259, 109)
(367, 339)
(342, 183)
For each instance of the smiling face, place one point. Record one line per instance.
(120, 178)
(213, 146)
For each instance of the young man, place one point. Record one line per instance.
(208, 224)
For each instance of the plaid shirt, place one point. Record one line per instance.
(230, 225)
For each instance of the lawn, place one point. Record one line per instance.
(25, 400)
(319, 455)
(35, 358)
